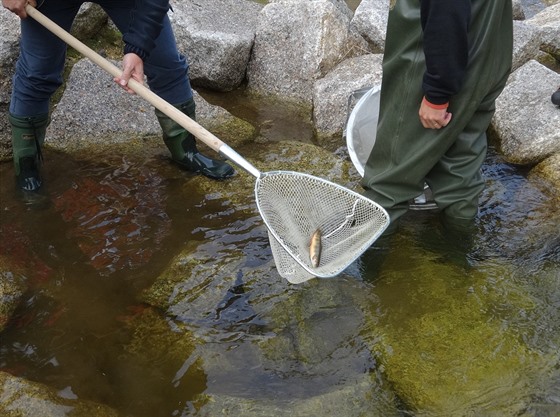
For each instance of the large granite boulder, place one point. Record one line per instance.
(297, 43)
(330, 93)
(9, 51)
(526, 43)
(370, 20)
(94, 110)
(217, 37)
(526, 122)
(91, 18)
(548, 22)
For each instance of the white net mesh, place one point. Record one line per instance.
(294, 205)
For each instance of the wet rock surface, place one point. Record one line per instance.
(21, 397)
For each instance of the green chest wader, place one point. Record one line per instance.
(405, 154)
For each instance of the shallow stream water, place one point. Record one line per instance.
(423, 324)
(413, 310)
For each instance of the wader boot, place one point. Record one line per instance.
(182, 146)
(28, 136)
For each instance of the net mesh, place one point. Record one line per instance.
(294, 205)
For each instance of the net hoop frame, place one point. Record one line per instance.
(314, 272)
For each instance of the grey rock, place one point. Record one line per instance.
(548, 21)
(548, 171)
(330, 94)
(518, 12)
(370, 20)
(94, 110)
(526, 43)
(297, 43)
(9, 50)
(526, 122)
(90, 19)
(217, 37)
(339, 4)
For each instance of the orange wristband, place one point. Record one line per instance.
(435, 106)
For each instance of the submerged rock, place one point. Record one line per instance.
(12, 288)
(358, 399)
(549, 172)
(23, 398)
(450, 350)
(116, 222)
(20, 269)
(249, 324)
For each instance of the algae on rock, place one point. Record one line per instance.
(449, 350)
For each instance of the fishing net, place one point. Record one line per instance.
(294, 205)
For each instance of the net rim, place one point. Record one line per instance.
(373, 93)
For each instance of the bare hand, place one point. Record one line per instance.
(133, 67)
(433, 118)
(18, 6)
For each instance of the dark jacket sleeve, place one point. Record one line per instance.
(146, 22)
(445, 25)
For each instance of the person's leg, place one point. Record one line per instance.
(391, 179)
(405, 153)
(167, 75)
(456, 180)
(38, 75)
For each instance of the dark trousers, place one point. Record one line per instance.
(42, 55)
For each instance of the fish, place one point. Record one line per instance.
(315, 248)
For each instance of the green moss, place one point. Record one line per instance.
(452, 359)
(153, 339)
(231, 130)
(12, 287)
(179, 269)
(443, 340)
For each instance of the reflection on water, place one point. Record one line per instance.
(410, 309)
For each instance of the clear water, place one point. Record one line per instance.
(430, 325)
(117, 221)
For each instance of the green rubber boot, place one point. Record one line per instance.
(28, 136)
(182, 146)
